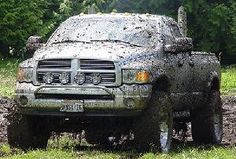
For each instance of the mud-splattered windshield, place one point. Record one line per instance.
(132, 30)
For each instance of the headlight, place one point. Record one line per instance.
(136, 76)
(25, 74)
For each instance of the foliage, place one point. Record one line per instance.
(21, 19)
(212, 25)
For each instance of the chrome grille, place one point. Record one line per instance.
(91, 64)
(55, 66)
(55, 74)
(107, 78)
(106, 70)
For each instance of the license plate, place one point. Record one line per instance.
(73, 107)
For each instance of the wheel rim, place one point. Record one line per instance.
(164, 135)
(217, 127)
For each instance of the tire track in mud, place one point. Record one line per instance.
(229, 117)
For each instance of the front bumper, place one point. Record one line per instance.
(124, 100)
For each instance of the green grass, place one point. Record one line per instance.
(91, 152)
(228, 79)
(8, 69)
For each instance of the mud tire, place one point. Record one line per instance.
(149, 126)
(207, 121)
(27, 133)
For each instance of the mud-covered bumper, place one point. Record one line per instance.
(125, 100)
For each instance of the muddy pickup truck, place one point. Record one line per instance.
(111, 75)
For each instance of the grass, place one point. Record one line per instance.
(228, 80)
(65, 152)
(8, 69)
(66, 148)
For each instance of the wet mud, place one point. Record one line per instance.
(229, 112)
(229, 119)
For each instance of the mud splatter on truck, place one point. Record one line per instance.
(115, 74)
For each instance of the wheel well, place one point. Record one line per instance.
(215, 84)
(162, 84)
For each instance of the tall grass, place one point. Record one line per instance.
(8, 69)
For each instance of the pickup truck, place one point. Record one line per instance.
(114, 74)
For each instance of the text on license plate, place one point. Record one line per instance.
(73, 107)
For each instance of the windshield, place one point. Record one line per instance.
(132, 30)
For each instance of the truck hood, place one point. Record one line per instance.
(120, 52)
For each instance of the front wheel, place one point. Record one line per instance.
(207, 121)
(27, 133)
(153, 129)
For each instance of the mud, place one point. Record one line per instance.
(229, 111)
(5, 106)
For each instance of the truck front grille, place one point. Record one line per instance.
(107, 78)
(55, 64)
(91, 64)
(56, 67)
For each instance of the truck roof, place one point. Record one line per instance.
(136, 29)
(120, 15)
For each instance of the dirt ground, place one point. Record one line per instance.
(229, 111)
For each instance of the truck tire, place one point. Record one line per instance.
(27, 133)
(153, 129)
(207, 121)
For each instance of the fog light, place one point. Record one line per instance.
(23, 100)
(80, 78)
(64, 78)
(48, 78)
(96, 77)
(129, 102)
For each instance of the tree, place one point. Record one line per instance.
(19, 19)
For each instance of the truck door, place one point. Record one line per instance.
(177, 67)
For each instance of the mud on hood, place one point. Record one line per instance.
(105, 51)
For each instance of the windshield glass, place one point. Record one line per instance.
(132, 30)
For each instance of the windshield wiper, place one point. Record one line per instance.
(87, 42)
(70, 41)
(114, 41)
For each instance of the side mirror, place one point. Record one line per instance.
(33, 43)
(183, 44)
